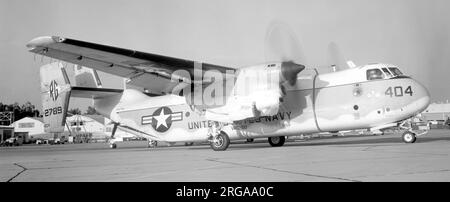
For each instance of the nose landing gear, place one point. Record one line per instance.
(410, 135)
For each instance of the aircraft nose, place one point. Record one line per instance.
(423, 96)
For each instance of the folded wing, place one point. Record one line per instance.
(155, 73)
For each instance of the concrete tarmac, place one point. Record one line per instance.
(355, 158)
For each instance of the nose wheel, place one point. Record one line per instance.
(409, 137)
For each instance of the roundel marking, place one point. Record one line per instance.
(162, 120)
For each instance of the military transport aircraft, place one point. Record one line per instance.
(188, 101)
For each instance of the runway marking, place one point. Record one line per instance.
(368, 148)
(24, 169)
(375, 149)
(405, 173)
(283, 171)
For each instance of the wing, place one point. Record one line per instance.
(153, 72)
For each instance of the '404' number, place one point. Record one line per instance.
(397, 91)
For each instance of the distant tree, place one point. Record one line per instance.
(20, 111)
(91, 111)
(73, 111)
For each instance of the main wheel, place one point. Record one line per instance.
(250, 140)
(152, 144)
(277, 141)
(409, 137)
(188, 143)
(112, 146)
(220, 142)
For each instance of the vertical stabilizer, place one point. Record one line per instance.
(55, 95)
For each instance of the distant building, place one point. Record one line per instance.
(30, 128)
(437, 112)
(82, 127)
(96, 125)
(79, 124)
(6, 132)
(30, 125)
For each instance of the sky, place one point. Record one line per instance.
(413, 34)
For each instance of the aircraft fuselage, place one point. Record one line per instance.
(344, 100)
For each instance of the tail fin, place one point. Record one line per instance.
(55, 95)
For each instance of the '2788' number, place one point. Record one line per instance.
(397, 91)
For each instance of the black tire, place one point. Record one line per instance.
(221, 142)
(152, 144)
(409, 137)
(113, 146)
(250, 140)
(277, 141)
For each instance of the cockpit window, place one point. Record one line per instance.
(395, 71)
(387, 72)
(373, 74)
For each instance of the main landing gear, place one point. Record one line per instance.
(152, 143)
(277, 141)
(220, 142)
(112, 145)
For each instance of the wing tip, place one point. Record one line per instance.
(43, 41)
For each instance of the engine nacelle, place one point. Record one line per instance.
(257, 92)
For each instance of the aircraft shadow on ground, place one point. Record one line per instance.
(339, 141)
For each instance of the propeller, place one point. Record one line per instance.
(281, 44)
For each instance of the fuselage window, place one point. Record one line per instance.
(395, 71)
(373, 74)
(387, 72)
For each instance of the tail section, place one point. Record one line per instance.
(56, 92)
(55, 95)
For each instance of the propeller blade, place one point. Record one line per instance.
(289, 71)
(335, 57)
(282, 44)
